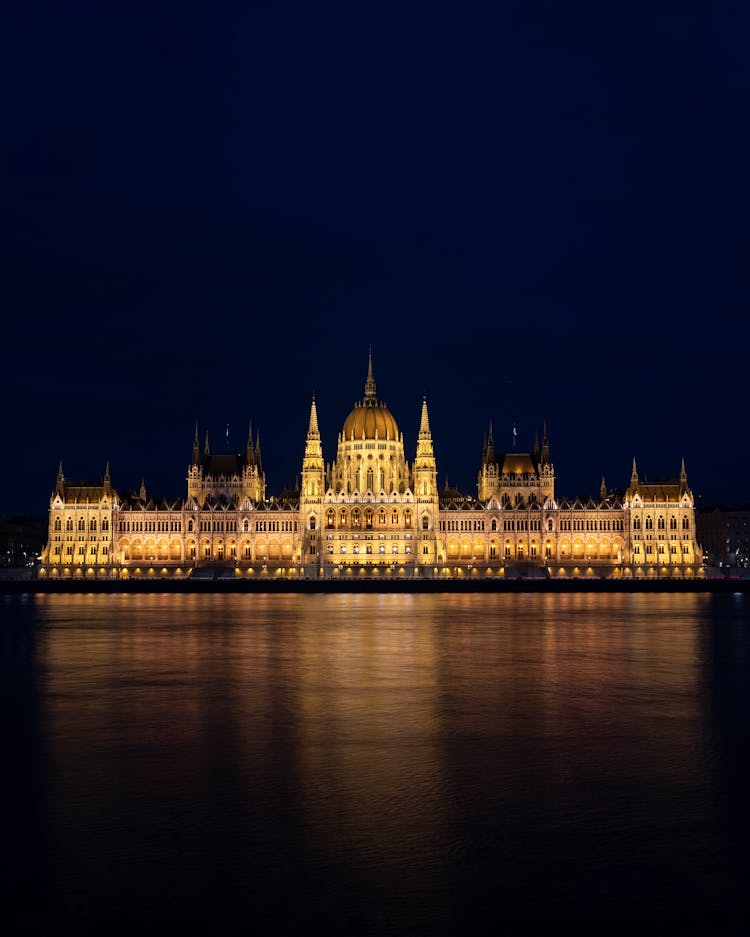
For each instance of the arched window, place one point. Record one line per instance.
(368, 517)
(105, 524)
(330, 518)
(312, 522)
(394, 517)
(370, 479)
(58, 524)
(636, 523)
(355, 518)
(686, 523)
(673, 523)
(550, 524)
(92, 525)
(493, 525)
(425, 522)
(407, 518)
(69, 523)
(661, 522)
(81, 523)
(649, 522)
(381, 516)
(342, 518)
(191, 526)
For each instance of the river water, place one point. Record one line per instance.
(376, 764)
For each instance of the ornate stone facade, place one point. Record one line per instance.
(370, 513)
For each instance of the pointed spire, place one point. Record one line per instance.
(603, 489)
(250, 454)
(60, 478)
(312, 430)
(536, 444)
(196, 446)
(370, 382)
(683, 475)
(634, 475)
(107, 481)
(207, 448)
(142, 492)
(257, 452)
(424, 425)
(490, 445)
(545, 458)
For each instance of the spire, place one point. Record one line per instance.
(370, 382)
(312, 430)
(60, 478)
(142, 492)
(536, 446)
(250, 452)
(490, 445)
(545, 457)
(257, 452)
(207, 448)
(603, 489)
(196, 446)
(424, 425)
(634, 475)
(683, 476)
(107, 481)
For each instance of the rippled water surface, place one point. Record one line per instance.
(376, 764)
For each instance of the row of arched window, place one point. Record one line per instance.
(368, 518)
(81, 524)
(660, 523)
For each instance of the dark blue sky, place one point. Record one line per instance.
(531, 211)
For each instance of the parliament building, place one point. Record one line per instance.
(371, 513)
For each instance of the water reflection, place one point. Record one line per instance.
(380, 762)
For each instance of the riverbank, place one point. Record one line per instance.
(219, 585)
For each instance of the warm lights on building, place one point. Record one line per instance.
(371, 513)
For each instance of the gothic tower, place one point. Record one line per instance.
(311, 494)
(425, 492)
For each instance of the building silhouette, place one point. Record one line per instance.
(371, 513)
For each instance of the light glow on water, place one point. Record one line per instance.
(379, 761)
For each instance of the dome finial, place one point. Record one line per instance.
(370, 382)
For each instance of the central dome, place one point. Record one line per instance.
(370, 418)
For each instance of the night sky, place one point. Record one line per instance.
(530, 211)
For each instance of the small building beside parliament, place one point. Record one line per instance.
(371, 513)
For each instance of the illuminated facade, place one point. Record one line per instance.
(370, 513)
